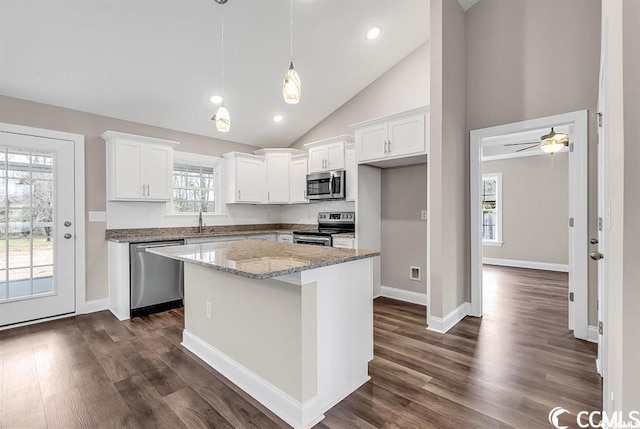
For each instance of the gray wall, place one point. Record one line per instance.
(404, 195)
(535, 209)
(507, 80)
(631, 292)
(448, 177)
(403, 87)
(27, 113)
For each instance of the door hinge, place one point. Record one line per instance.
(600, 328)
(599, 115)
(571, 222)
(571, 296)
(599, 224)
(571, 147)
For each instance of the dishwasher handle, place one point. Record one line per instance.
(144, 247)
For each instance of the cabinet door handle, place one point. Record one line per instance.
(268, 196)
(385, 146)
(389, 146)
(238, 193)
(143, 191)
(148, 191)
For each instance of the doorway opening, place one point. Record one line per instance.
(485, 211)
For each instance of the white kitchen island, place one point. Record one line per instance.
(290, 324)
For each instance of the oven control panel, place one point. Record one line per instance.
(328, 217)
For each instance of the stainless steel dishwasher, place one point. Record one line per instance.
(157, 283)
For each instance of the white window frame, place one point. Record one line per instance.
(201, 161)
(498, 176)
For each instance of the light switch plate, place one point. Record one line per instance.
(97, 216)
(423, 215)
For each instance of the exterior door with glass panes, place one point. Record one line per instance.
(37, 228)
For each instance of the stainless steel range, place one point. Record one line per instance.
(329, 223)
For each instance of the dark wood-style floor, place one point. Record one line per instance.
(507, 369)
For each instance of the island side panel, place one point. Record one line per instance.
(256, 323)
(345, 327)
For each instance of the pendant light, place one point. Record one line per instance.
(553, 142)
(291, 87)
(222, 117)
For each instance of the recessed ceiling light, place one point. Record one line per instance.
(278, 118)
(216, 99)
(373, 33)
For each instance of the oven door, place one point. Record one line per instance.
(328, 185)
(314, 240)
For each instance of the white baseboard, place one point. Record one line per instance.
(404, 295)
(290, 410)
(94, 306)
(442, 325)
(592, 334)
(526, 264)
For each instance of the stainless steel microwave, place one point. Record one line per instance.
(327, 185)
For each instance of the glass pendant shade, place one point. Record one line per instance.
(292, 87)
(223, 120)
(553, 142)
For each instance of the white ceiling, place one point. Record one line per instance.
(157, 61)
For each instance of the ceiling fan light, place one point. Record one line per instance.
(222, 119)
(551, 146)
(553, 142)
(291, 86)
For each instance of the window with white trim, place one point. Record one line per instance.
(492, 209)
(196, 184)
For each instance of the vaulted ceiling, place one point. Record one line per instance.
(158, 61)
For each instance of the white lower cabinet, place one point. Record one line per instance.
(343, 242)
(285, 238)
(262, 237)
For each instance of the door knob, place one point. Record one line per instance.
(67, 223)
(596, 256)
(68, 236)
(593, 241)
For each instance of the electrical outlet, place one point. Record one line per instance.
(208, 311)
(414, 274)
(423, 215)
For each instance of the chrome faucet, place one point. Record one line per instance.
(200, 222)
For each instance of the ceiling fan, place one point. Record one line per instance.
(550, 143)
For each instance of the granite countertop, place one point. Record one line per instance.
(141, 235)
(261, 259)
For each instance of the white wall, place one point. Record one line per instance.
(535, 208)
(403, 233)
(308, 213)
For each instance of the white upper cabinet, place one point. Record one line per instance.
(138, 168)
(394, 137)
(298, 185)
(246, 178)
(278, 177)
(327, 154)
(351, 165)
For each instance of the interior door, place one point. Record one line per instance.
(37, 228)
